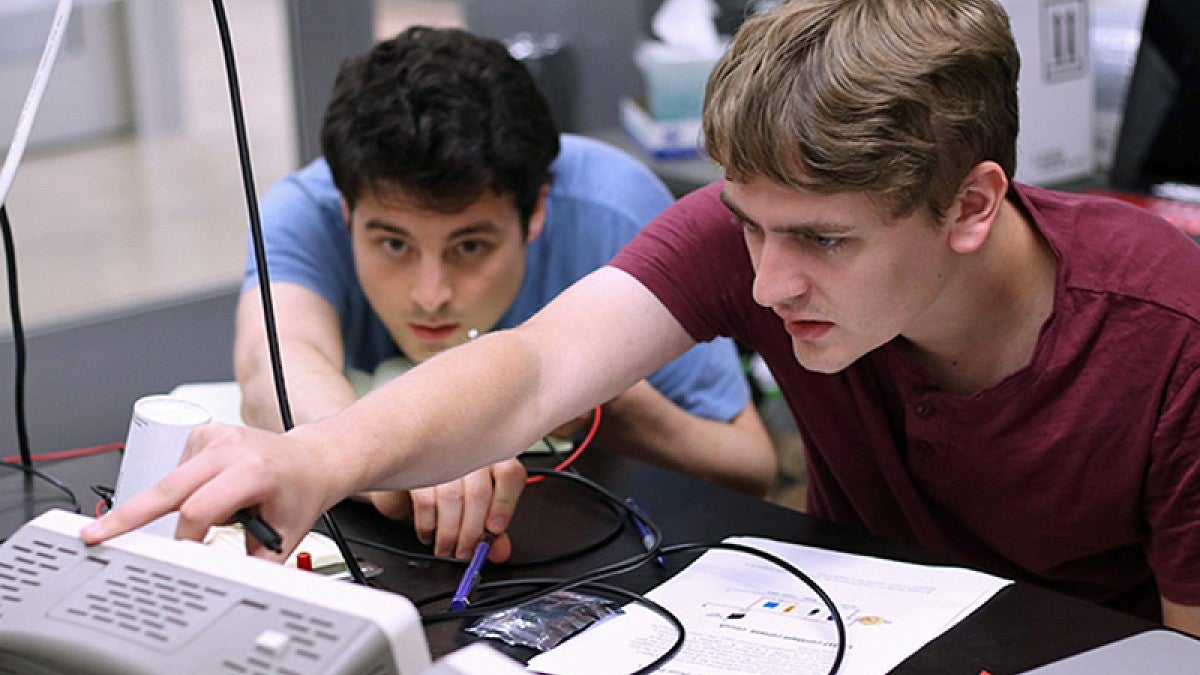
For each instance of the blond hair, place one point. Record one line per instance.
(896, 98)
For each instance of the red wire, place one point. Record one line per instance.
(587, 440)
(68, 454)
(110, 447)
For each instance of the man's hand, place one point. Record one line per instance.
(227, 468)
(451, 517)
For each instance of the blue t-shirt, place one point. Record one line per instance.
(598, 200)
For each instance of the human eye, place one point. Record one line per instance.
(472, 248)
(393, 245)
(827, 242)
(824, 242)
(748, 227)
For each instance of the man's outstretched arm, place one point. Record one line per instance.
(464, 408)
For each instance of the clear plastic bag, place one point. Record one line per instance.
(544, 622)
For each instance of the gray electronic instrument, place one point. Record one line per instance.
(1153, 651)
(141, 604)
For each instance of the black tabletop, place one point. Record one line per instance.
(1023, 626)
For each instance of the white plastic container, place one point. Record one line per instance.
(158, 432)
(674, 77)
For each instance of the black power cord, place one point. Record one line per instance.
(18, 330)
(540, 587)
(834, 614)
(12, 160)
(604, 589)
(550, 585)
(260, 259)
(19, 348)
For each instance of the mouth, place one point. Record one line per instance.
(433, 332)
(803, 329)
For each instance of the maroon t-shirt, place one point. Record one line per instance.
(1080, 471)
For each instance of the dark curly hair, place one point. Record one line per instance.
(439, 116)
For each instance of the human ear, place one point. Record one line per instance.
(975, 207)
(537, 219)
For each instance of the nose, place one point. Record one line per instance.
(432, 289)
(777, 279)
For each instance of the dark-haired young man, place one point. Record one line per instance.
(447, 205)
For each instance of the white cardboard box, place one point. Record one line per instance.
(678, 139)
(1056, 142)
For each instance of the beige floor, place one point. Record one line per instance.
(121, 221)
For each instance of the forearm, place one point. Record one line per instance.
(310, 345)
(645, 424)
(486, 401)
(465, 408)
(315, 389)
(1185, 618)
(491, 398)
(454, 413)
